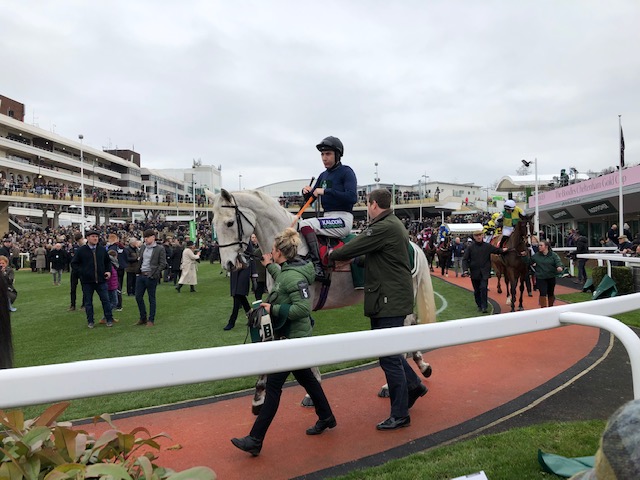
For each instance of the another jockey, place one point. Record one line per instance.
(490, 229)
(443, 231)
(509, 219)
(337, 186)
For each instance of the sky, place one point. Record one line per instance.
(451, 91)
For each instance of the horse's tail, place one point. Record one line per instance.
(6, 343)
(423, 288)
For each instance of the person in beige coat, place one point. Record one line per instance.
(189, 267)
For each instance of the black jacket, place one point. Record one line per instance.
(582, 245)
(58, 259)
(91, 265)
(477, 259)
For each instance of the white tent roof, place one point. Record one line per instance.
(457, 228)
(517, 183)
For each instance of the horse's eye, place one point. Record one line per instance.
(230, 223)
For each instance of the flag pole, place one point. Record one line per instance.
(620, 202)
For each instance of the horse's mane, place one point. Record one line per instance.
(254, 200)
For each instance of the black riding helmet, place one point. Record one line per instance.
(333, 144)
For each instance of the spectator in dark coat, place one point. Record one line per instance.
(477, 261)
(94, 269)
(133, 262)
(582, 246)
(176, 259)
(259, 279)
(59, 259)
(116, 245)
(240, 282)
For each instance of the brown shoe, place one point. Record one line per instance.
(141, 322)
(71, 309)
(150, 324)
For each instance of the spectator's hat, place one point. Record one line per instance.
(92, 232)
(149, 233)
(7, 239)
(619, 454)
(478, 232)
(622, 238)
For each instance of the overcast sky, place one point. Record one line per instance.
(456, 90)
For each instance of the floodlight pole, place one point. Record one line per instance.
(81, 137)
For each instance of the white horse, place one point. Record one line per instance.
(239, 214)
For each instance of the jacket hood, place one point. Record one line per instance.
(304, 267)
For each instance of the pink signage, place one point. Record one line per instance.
(576, 193)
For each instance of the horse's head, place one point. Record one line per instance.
(233, 226)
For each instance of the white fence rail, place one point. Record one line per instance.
(611, 257)
(48, 383)
(573, 249)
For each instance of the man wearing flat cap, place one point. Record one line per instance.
(94, 269)
(477, 261)
(153, 260)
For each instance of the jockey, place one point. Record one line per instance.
(443, 231)
(491, 229)
(509, 219)
(337, 186)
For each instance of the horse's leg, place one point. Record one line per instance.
(259, 394)
(306, 401)
(513, 284)
(522, 283)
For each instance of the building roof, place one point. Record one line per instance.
(518, 183)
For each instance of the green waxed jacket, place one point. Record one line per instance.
(290, 298)
(545, 265)
(388, 289)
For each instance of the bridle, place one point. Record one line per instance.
(239, 214)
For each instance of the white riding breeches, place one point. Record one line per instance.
(507, 231)
(333, 224)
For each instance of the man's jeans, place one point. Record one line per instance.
(400, 376)
(87, 300)
(144, 283)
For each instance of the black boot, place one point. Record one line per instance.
(193, 289)
(230, 324)
(314, 254)
(179, 287)
(248, 444)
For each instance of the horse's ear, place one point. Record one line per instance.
(226, 196)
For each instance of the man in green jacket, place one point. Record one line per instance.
(388, 297)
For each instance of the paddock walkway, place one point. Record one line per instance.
(473, 387)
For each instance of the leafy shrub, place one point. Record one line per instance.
(41, 448)
(621, 275)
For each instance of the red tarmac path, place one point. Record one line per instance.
(472, 386)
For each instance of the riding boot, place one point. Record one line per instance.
(552, 300)
(314, 252)
(543, 302)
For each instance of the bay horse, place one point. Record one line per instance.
(429, 248)
(444, 255)
(239, 214)
(511, 264)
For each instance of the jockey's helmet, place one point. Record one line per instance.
(332, 143)
(510, 204)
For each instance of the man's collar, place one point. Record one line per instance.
(381, 215)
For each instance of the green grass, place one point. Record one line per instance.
(504, 456)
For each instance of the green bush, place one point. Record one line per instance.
(621, 275)
(42, 448)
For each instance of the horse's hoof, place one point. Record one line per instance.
(529, 294)
(427, 372)
(306, 402)
(520, 309)
(384, 393)
(255, 409)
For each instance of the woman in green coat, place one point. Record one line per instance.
(546, 264)
(289, 306)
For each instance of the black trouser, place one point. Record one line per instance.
(546, 286)
(74, 287)
(131, 283)
(582, 271)
(239, 301)
(275, 381)
(176, 275)
(120, 283)
(261, 288)
(480, 286)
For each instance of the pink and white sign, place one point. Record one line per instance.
(576, 193)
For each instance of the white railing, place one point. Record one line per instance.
(610, 257)
(573, 249)
(49, 383)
